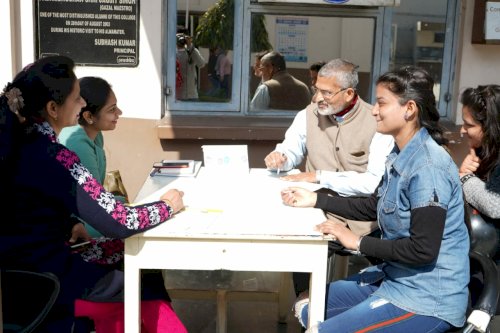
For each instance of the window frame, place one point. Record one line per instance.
(242, 60)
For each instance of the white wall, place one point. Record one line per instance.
(7, 70)
(357, 42)
(138, 89)
(336, 37)
(477, 64)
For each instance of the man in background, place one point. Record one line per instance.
(313, 74)
(279, 89)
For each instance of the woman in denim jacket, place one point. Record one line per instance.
(421, 285)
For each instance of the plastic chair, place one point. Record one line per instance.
(108, 317)
(27, 298)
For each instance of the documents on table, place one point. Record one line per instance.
(176, 168)
(215, 206)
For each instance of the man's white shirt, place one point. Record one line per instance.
(345, 183)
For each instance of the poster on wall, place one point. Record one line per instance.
(492, 22)
(91, 32)
(291, 38)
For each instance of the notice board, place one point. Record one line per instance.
(91, 32)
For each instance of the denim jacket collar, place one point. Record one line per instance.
(398, 159)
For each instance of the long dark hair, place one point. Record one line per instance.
(414, 83)
(95, 91)
(23, 101)
(47, 79)
(483, 103)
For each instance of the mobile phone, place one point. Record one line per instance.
(176, 164)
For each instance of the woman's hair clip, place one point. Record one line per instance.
(480, 99)
(14, 99)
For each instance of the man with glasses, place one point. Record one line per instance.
(337, 136)
(279, 89)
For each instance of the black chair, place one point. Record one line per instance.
(484, 240)
(26, 299)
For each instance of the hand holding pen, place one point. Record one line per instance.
(275, 161)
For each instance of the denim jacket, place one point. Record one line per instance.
(423, 174)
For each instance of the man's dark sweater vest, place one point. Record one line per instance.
(287, 93)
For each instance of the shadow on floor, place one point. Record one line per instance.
(200, 316)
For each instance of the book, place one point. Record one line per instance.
(175, 171)
(175, 166)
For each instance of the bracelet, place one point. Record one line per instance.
(170, 207)
(318, 176)
(467, 177)
(358, 251)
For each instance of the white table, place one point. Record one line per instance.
(234, 223)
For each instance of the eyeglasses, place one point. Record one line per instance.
(326, 93)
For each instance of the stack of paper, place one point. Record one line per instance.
(176, 168)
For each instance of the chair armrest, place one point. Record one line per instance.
(488, 299)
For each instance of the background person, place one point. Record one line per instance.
(100, 114)
(480, 169)
(223, 71)
(313, 74)
(212, 75)
(190, 59)
(256, 66)
(279, 89)
(422, 282)
(41, 100)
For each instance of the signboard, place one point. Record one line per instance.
(369, 3)
(91, 32)
(492, 21)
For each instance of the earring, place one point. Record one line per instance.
(90, 122)
(406, 116)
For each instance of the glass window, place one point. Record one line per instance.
(204, 43)
(303, 40)
(418, 37)
(209, 59)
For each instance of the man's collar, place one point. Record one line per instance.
(340, 115)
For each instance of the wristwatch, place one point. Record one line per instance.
(466, 177)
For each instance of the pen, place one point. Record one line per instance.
(79, 244)
(203, 210)
(278, 169)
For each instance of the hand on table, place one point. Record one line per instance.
(309, 177)
(340, 232)
(173, 198)
(298, 197)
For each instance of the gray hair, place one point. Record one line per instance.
(344, 71)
